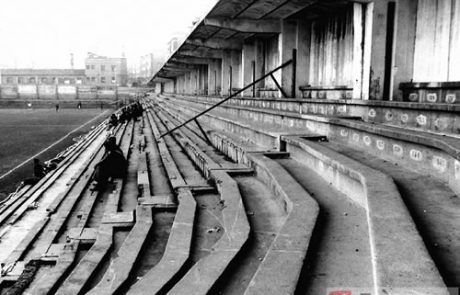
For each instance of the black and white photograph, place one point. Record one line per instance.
(230, 147)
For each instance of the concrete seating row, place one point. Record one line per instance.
(235, 225)
(180, 238)
(292, 241)
(419, 150)
(78, 279)
(377, 193)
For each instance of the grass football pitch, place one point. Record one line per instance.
(26, 132)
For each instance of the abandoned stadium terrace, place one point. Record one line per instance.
(321, 155)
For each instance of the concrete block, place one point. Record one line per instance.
(120, 218)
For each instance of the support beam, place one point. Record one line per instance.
(283, 93)
(176, 70)
(206, 138)
(245, 25)
(159, 78)
(172, 64)
(226, 99)
(202, 52)
(216, 43)
(192, 60)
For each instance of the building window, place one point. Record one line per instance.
(88, 67)
(44, 80)
(32, 80)
(79, 81)
(9, 80)
(102, 79)
(88, 79)
(113, 68)
(93, 79)
(102, 68)
(92, 67)
(20, 80)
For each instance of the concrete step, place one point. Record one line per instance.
(255, 276)
(120, 268)
(433, 205)
(415, 148)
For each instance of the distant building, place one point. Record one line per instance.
(42, 76)
(102, 70)
(173, 45)
(146, 66)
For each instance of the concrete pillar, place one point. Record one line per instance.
(187, 82)
(190, 84)
(236, 68)
(218, 76)
(405, 43)
(211, 78)
(196, 81)
(248, 60)
(288, 42)
(214, 77)
(204, 79)
(379, 33)
(182, 86)
(303, 55)
(260, 63)
(226, 64)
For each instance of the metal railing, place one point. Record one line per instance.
(269, 74)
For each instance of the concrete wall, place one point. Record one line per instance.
(65, 92)
(437, 37)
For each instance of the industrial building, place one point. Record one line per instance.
(109, 71)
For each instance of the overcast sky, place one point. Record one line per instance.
(43, 33)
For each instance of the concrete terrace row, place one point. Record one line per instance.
(186, 217)
(410, 213)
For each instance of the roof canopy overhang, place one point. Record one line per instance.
(231, 22)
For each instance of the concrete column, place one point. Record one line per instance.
(288, 42)
(248, 57)
(196, 81)
(187, 83)
(405, 44)
(226, 64)
(260, 63)
(379, 33)
(211, 82)
(204, 79)
(182, 84)
(236, 63)
(303, 55)
(218, 76)
(190, 84)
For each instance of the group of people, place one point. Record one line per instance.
(113, 164)
(132, 111)
(40, 170)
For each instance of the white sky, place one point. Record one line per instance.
(43, 33)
